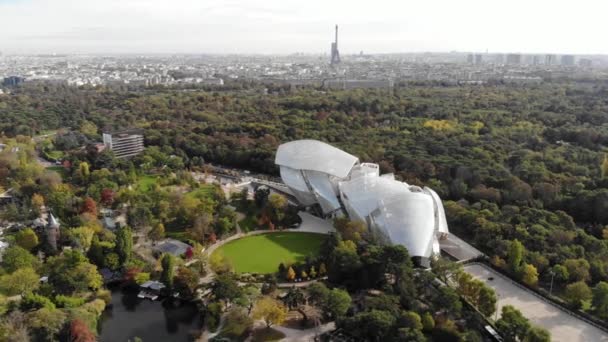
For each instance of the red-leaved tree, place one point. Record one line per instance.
(89, 206)
(80, 332)
(107, 197)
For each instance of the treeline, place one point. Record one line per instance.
(519, 162)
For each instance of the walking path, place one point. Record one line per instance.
(297, 335)
(561, 324)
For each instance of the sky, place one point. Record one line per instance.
(290, 26)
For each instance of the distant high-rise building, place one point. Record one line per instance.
(12, 81)
(514, 59)
(335, 54)
(499, 58)
(585, 62)
(470, 58)
(478, 58)
(535, 60)
(567, 60)
(549, 59)
(124, 144)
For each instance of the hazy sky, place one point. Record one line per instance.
(287, 26)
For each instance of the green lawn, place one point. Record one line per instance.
(146, 182)
(59, 169)
(263, 253)
(55, 155)
(205, 191)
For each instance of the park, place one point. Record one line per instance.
(262, 253)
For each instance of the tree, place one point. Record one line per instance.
(515, 256)
(337, 303)
(219, 263)
(14, 328)
(599, 301)
(71, 272)
(84, 172)
(604, 166)
(318, 293)
(576, 293)
(578, 269)
(237, 324)
(260, 196)
(322, 269)
(226, 287)
(449, 300)
(213, 314)
(486, 302)
(82, 237)
(201, 226)
(411, 335)
(560, 273)
(294, 298)
(444, 268)
(186, 282)
(37, 201)
(15, 258)
(277, 205)
(428, 323)
(27, 239)
(537, 334)
(512, 324)
(249, 295)
(124, 244)
(107, 197)
(312, 272)
(168, 264)
(20, 282)
(374, 325)
(46, 323)
(350, 230)
(530, 275)
(410, 319)
(291, 274)
(80, 332)
(270, 310)
(158, 232)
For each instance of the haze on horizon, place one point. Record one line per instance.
(288, 26)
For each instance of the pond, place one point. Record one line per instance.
(130, 317)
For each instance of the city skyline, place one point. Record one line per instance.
(281, 27)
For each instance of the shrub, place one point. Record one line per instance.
(68, 302)
(213, 315)
(35, 302)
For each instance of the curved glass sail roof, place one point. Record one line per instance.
(316, 156)
(408, 220)
(408, 215)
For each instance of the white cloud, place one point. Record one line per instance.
(285, 26)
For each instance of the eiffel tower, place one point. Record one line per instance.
(335, 54)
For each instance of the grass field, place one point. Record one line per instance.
(263, 253)
(146, 182)
(59, 169)
(205, 191)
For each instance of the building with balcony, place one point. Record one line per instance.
(124, 144)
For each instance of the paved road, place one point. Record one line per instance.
(458, 248)
(561, 325)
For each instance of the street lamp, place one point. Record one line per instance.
(551, 286)
(497, 307)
